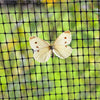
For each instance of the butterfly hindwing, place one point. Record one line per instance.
(63, 39)
(42, 55)
(62, 51)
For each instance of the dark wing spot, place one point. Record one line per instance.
(65, 42)
(37, 47)
(65, 45)
(65, 37)
(35, 42)
(37, 50)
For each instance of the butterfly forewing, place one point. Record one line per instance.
(63, 39)
(62, 51)
(37, 43)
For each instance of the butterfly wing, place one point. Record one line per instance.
(63, 39)
(42, 55)
(42, 52)
(62, 51)
(60, 45)
(37, 43)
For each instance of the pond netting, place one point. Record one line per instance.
(75, 78)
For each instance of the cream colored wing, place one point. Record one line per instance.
(63, 39)
(41, 49)
(42, 55)
(62, 51)
(37, 43)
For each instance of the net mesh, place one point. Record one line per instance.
(74, 78)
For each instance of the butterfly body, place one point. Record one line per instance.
(51, 47)
(43, 50)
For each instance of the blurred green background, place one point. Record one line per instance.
(74, 78)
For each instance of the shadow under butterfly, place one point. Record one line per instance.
(43, 50)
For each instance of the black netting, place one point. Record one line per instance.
(74, 78)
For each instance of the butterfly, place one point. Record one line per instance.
(43, 50)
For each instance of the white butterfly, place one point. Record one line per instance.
(43, 50)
